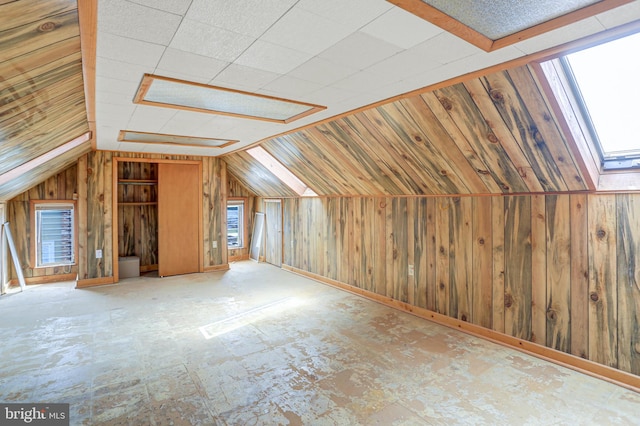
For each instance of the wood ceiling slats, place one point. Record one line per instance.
(23, 12)
(461, 107)
(32, 60)
(35, 35)
(533, 101)
(257, 178)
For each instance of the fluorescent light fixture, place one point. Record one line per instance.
(492, 24)
(159, 138)
(281, 172)
(179, 94)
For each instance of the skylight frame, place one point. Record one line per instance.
(122, 137)
(609, 161)
(426, 11)
(146, 86)
(285, 175)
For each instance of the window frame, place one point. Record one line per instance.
(34, 207)
(242, 228)
(607, 162)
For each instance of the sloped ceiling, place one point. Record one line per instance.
(489, 135)
(42, 104)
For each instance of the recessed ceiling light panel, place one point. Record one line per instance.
(158, 138)
(171, 93)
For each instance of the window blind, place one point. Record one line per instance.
(55, 239)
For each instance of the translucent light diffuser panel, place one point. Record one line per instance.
(171, 93)
(158, 138)
(492, 24)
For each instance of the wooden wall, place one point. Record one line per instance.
(236, 190)
(95, 188)
(559, 270)
(62, 186)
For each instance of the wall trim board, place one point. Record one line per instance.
(47, 279)
(214, 268)
(603, 372)
(93, 282)
(238, 258)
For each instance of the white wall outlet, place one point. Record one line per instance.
(410, 270)
(215, 244)
(98, 254)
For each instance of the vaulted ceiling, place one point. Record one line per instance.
(495, 134)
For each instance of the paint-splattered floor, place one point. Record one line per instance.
(260, 346)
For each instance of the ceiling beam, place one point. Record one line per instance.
(88, 17)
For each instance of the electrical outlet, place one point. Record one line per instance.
(215, 244)
(98, 254)
(410, 270)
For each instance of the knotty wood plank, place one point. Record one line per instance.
(518, 264)
(412, 239)
(83, 262)
(628, 272)
(380, 247)
(443, 144)
(546, 133)
(368, 243)
(482, 271)
(420, 251)
(345, 235)
(603, 296)
(460, 105)
(399, 250)
(27, 11)
(460, 258)
(443, 247)
(579, 276)
(391, 280)
(538, 270)
(559, 295)
(358, 229)
(431, 251)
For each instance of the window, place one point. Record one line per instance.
(55, 234)
(235, 223)
(604, 81)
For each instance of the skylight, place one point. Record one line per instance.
(606, 79)
(172, 93)
(281, 172)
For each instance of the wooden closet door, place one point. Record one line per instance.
(179, 189)
(273, 234)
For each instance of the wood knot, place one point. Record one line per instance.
(463, 317)
(481, 241)
(492, 137)
(578, 179)
(441, 286)
(508, 300)
(636, 347)
(441, 250)
(383, 204)
(418, 139)
(552, 315)
(594, 296)
(561, 159)
(496, 95)
(446, 103)
(546, 117)
(601, 233)
(47, 26)
(484, 172)
(505, 187)
(443, 172)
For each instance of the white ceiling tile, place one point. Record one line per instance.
(248, 17)
(188, 63)
(271, 57)
(364, 82)
(620, 15)
(353, 13)
(206, 40)
(359, 51)
(445, 48)
(290, 87)
(149, 119)
(322, 71)
(120, 70)
(329, 96)
(113, 98)
(401, 28)
(179, 7)
(124, 49)
(305, 32)
(105, 109)
(181, 76)
(135, 21)
(244, 78)
(404, 64)
(116, 86)
(565, 34)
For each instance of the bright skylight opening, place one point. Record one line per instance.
(607, 78)
(281, 172)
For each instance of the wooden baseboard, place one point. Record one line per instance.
(610, 374)
(92, 282)
(45, 279)
(224, 267)
(148, 268)
(238, 258)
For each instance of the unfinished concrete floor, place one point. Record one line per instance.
(259, 346)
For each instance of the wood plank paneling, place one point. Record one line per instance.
(482, 271)
(579, 276)
(538, 269)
